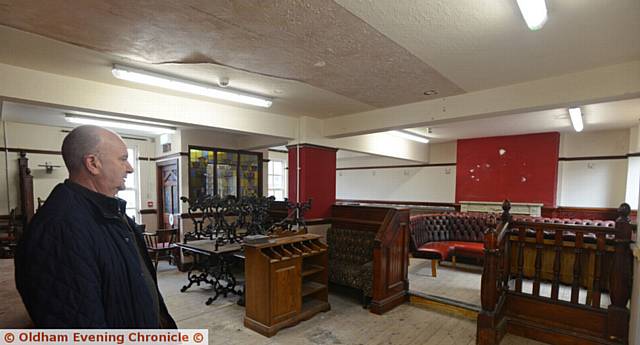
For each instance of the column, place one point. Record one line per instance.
(316, 168)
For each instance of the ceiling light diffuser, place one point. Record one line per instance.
(534, 13)
(576, 119)
(118, 124)
(411, 136)
(171, 83)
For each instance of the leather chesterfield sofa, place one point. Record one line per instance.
(446, 236)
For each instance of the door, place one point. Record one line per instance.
(168, 195)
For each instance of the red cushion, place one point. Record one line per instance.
(435, 250)
(475, 249)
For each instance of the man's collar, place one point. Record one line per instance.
(109, 207)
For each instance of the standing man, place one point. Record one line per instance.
(82, 263)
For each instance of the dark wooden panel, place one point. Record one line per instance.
(26, 189)
(592, 158)
(551, 335)
(390, 260)
(556, 314)
(285, 284)
(369, 213)
(401, 202)
(400, 166)
(600, 213)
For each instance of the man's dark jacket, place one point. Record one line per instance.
(77, 266)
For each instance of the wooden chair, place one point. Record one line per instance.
(8, 236)
(161, 244)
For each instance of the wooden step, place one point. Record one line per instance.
(444, 305)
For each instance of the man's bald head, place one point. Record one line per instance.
(80, 142)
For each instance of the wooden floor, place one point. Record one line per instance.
(462, 283)
(12, 311)
(346, 323)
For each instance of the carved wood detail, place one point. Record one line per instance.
(567, 259)
(390, 252)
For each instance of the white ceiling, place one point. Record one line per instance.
(596, 117)
(322, 58)
(485, 44)
(51, 116)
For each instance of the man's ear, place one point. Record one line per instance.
(92, 164)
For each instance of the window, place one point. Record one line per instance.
(130, 194)
(201, 172)
(633, 182)
(276, 183)
(224, 172)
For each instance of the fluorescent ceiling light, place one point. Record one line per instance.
(411, 136)
(576, 119)
(118, 124)
(534, 13)
(155, 79)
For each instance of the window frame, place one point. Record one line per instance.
(135, 163)
(270, 170)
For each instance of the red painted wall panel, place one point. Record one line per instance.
(317, 179)
(521, 168)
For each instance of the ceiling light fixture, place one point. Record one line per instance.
(159, 80)
(411, 136)
(118, 124)
(534, 13)
(576, 119)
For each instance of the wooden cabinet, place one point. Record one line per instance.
(286, 282)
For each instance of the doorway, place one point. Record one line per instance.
(168, 194)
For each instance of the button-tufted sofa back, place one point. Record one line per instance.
(470, 227)
(467, 227)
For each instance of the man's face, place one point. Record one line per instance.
(112, 154)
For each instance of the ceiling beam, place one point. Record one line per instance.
(27, 85)
(380, 144)
(615, 82)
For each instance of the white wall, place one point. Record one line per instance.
(443, 153)
(633, 182)
(581, 183)
(206, 138)
(591, 144)
(429, 183)
(435, 184)
(369, 161)
(593, 183)
(49, 138)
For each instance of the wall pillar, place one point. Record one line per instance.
(317, 174)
